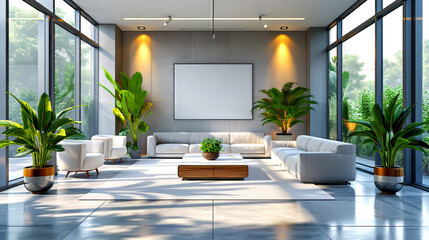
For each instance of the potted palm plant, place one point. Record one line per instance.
(130, 107)
(39, 135)
(284, 107)
(211, 148)
(390, 136)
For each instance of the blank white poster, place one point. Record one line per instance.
(213, 91)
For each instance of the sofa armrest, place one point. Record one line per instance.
(267, 143)
(71, 159)
(151, 146)
(108, 144)
(277, 144)
(326, 167)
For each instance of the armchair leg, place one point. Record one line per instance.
(121, 159)
(67, 174)
(87, 173)
(96, 170)
(113, 161)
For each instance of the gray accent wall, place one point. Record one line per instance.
(277, 57)
(317, 81)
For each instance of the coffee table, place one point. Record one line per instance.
(227, 166)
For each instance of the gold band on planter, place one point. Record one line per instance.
(391, 172)
(39, 172)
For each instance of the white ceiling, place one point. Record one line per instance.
(317, 13)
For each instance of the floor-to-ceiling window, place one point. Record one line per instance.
(358, 86)
(50, 49)
(332, 94)
(65, 53)
(26, 68)
(87, 89)
(377, 64)
(425, 88)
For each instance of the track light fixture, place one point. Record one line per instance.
(168, 21)
(262, 22)
(141, 28)
(284, 27)
(213, 20)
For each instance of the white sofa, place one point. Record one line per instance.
(317, 160)
(176, 144)
(115, 147)
(80, 156)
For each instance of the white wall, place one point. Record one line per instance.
(108, 59)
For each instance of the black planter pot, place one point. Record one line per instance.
(135, 154)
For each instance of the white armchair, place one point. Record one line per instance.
(80, 156)
(115, 147)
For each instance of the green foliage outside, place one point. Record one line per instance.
(41, 131)
(211, 145)
(359, 109)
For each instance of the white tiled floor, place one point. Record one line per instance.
(359, 212)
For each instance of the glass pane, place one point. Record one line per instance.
(358, 85)
(333, 34)
(65, 12)
(332, 96)
(64, 70)
(392, 59)
(358, 16)
(86, 28)
(87, 80)
(387, 2)
(425, 103)
(26, 68)
(47, 4)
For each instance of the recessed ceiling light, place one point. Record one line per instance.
(265, 26)
(141, 27)
(284, 27)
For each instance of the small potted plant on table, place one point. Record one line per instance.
(390, 136)
(211, 148)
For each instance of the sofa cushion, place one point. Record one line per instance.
(92, 161)
(195, 148)
(247, 137)
(118, 152)
(171, 137)
(314, 144)
(288, 152)
(302, 142)
(291, 163)
(197, 137)
(247, 148)
(172, 148)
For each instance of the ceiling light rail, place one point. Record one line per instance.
(210, 19)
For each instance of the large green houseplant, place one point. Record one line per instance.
(390, 136)
(284, 107)
(130, 107)
(39, 135)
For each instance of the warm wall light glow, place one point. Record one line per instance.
(141, 59)
(283, 67)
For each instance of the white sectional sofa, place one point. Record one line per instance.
(317, 160)
(176, 144)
